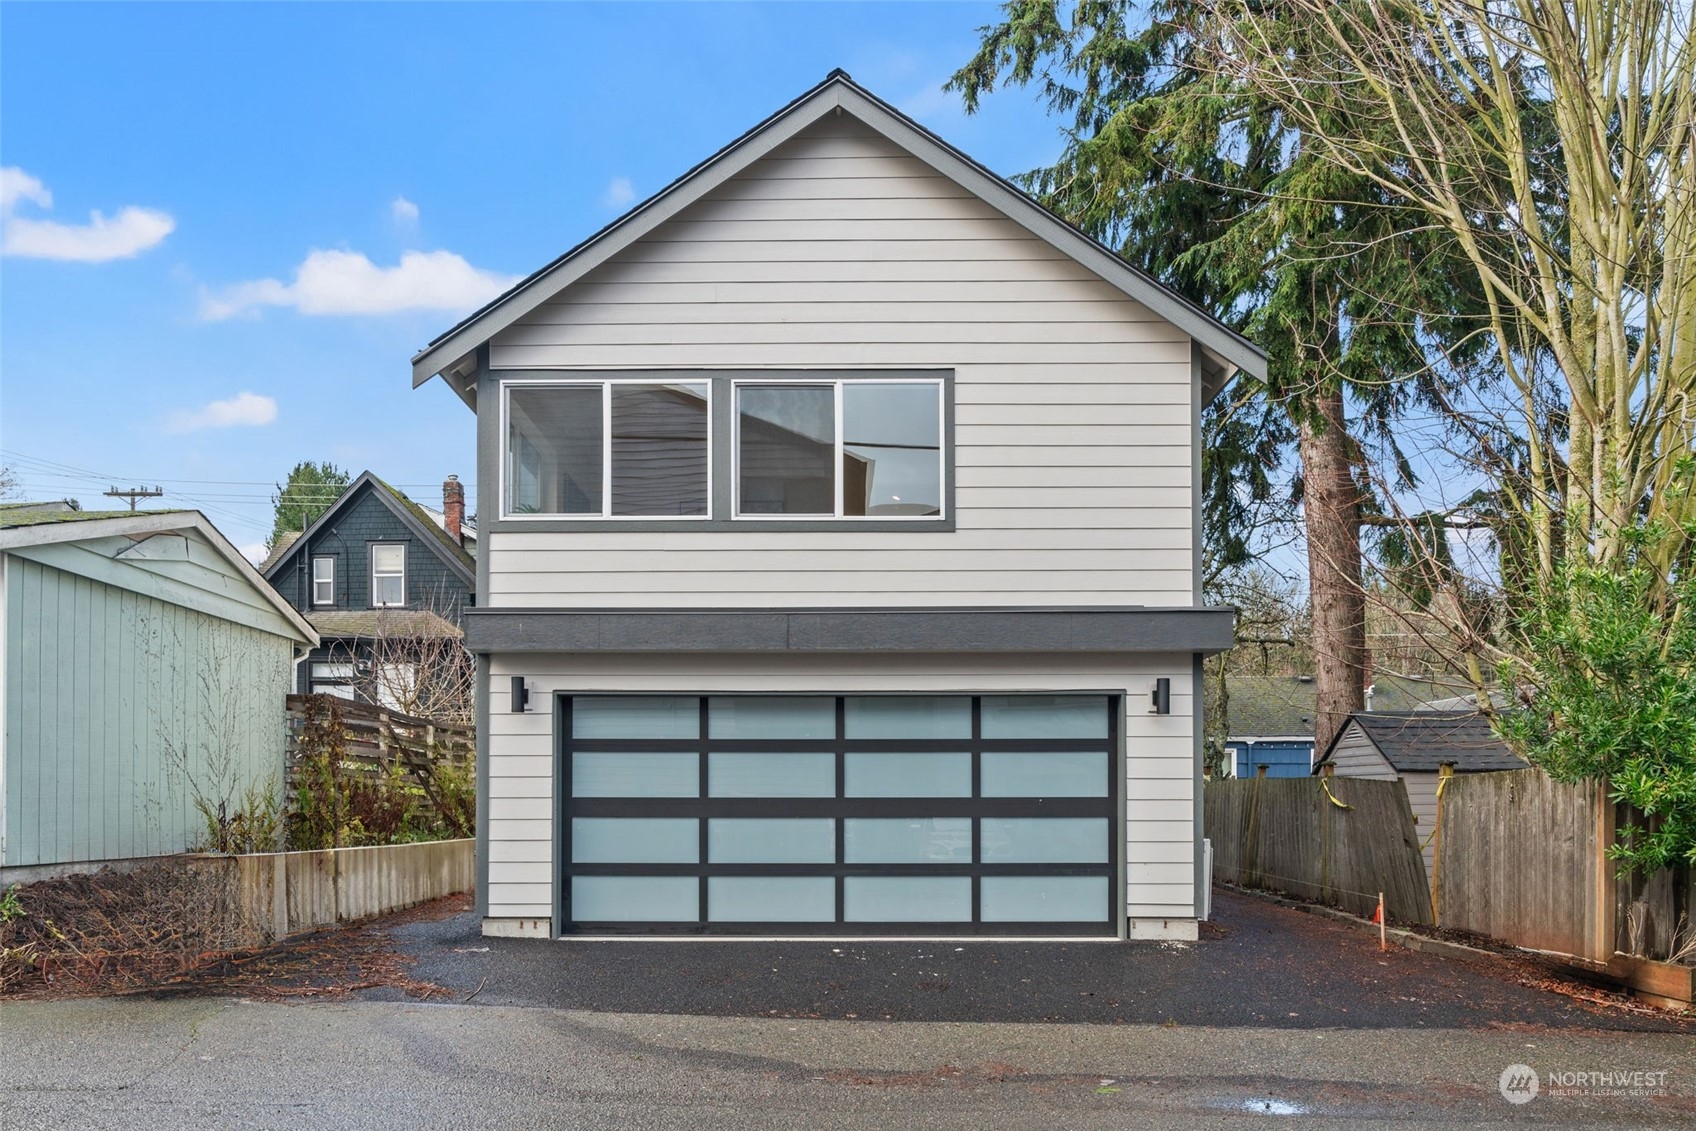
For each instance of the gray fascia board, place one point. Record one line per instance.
(836, 93)
(545, 284)
(1016, 629)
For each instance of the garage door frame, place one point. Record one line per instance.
(1111, 807)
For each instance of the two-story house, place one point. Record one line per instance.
(839, 557)
(379, 579)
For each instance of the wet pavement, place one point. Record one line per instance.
(1257, 964)
(1276, 1016)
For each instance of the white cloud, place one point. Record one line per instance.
(253, 552)
(346, 282)
(405, 212)
(620, 194)
(129, 233)
(243, 409)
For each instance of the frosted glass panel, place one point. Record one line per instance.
(1045, 840)
(909, 716)
(908, 775)
(670, 899)
(635, 775)
(907, 899)
(771, 775)
(1044, 775)
(730, 716)
(1045, 716)
(771, 840)
(1043, 899)
(635, 840)
(907, 840)
(771, 899)
(636, 716)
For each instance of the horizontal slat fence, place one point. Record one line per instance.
(1288, 835)
(377, 738)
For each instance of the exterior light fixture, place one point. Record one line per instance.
(1160, 699)
(520, 695)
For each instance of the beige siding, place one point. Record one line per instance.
(1356, 757)
(1159, 759)
(1422, 798)
(1073, 403)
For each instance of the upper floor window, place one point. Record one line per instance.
(388, 574)
(727, 449)
(324, 581)
(839, 449)
(608, 449)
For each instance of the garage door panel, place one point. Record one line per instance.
(840, 814)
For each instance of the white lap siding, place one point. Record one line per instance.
(1073, 404)
(1159, 749)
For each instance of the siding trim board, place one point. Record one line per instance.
(1200, 631)
(454, 354)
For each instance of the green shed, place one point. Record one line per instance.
(145, 665)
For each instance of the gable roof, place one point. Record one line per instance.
(410, 514)
(40, 528)
(1426, 740)
(284, 540)
(1269, 706)
(453, 354)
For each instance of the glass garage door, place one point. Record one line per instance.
(839, 815)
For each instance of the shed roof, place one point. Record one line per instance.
(39, 528)
(1427, 740)
(453, 354)
(1269, 706)
(343, 624)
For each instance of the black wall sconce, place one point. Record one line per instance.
(1160, 699)
(520, 695)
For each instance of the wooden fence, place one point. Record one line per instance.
(1340, 848)
(1523, 858)
(376, 739)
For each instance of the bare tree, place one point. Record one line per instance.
(419, 666)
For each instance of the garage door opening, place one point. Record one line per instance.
(839, 815)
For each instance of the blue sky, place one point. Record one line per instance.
(294, 198)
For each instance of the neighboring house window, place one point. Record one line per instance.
(333, 679)
(388, 575)
(398, 686)
(323, 581)
(839, 449)
(608, 449)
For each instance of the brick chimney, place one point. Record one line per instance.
(453, 508)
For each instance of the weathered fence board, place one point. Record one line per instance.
(376, 740)
(289, 892)
(1523, 858)
(1285, 834)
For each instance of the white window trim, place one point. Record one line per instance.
(838, 383)
(374, 575)
(605, 385)
(315, 580)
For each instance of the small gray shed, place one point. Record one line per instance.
(1413, 747)
(143, 661)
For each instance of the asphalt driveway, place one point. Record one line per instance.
(1257, 964)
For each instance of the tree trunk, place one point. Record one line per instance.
(1331, 507)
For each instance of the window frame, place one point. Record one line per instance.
(838, 385)
(495, 439)
(313, 580)
(605, 384)
(371, 552)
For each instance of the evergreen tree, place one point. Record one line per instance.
(307, 493)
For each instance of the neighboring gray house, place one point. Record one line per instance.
(375, 565)
(838, 568)
(144, 660)
(1413, 747)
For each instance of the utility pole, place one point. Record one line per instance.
(134, 494)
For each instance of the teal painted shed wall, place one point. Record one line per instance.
(138, 674)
